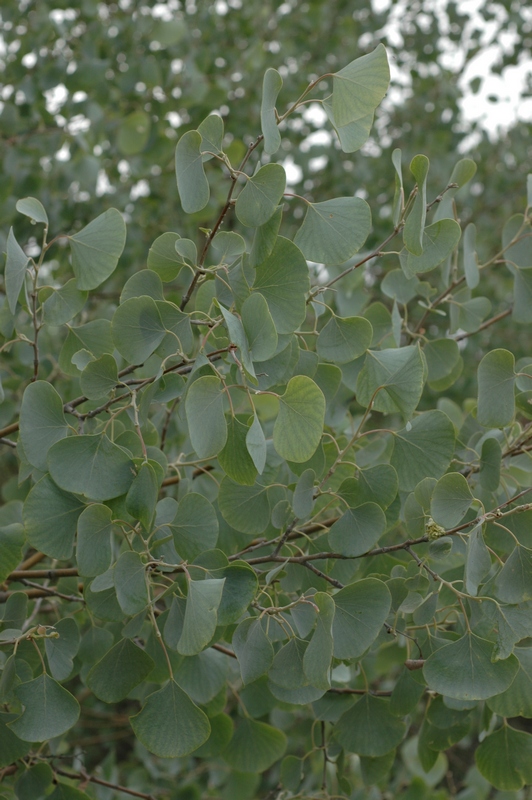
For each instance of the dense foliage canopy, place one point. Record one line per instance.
(265, 455)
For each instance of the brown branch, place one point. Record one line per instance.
(437, 301)
(31, 560)
(51, 574)
(223, 649)
(492, 321)
(374, 254)
(217, 224)
(82, 775)
(71, 598)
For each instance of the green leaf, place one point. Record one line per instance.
(15, 270)
(397, 286)
(192, 183)
(424, 450)
(169, 724)
(259, 327)
(95, 337)
(442, 356)
(195, 527)
(357, 530)
(15, 611)
(490, 464)
(63, 791)
(179, 337)
(478, 561)
(303, 498)
(239, 590)
(50, 518)
(11, 747)
(264, 240)
(93, 544)
(373, 485)
(122, 668)
(91, 465)
(245, 508)
(137, 329)
(353, 135)
(439, 240)
(228, 245)
(450, 500)
(401, 374)
(200, 615)
(96, 249)
(235, 459)
(271, 87)
(292, 773)
(516, 701)
(203, 676)
(467, 314)
(130, 583)
(142, 495)
(344, 338)
(283, 280)
(42, 422)
(256, 445)
(64, 303)
(221, 734)
(32, 208)
(11, 543)
(361, 609)
(334, 230)
(60, 652)
(299, 424)
(415, 222)
(144, 282)
(517, 254)
(211, 131)
(464, 669)
(163, 258)
(505, 759)
(237, 336)
(34, 782)
(253, 649)
(376, 769)
(496, 398)
(261, 195)
(369, 728)
(522, 295)
(99, 377)
(514, 581)
(471, 271)
(204, 407)
(359, 88)
(399, 193)
(133, 133)
(255, 746)
(49, 710)
(318, 655)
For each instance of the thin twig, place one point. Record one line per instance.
(82, 775)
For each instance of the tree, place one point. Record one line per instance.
(285, 549)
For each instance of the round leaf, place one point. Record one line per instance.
(97, 248)
(334, 230)
(464, 670)
(299, 425)
(169, 724)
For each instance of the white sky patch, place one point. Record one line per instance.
(499, 103)
(294, 173)
(56, 98)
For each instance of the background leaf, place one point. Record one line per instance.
(97, 248)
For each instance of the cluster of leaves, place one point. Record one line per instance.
(276, 557)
